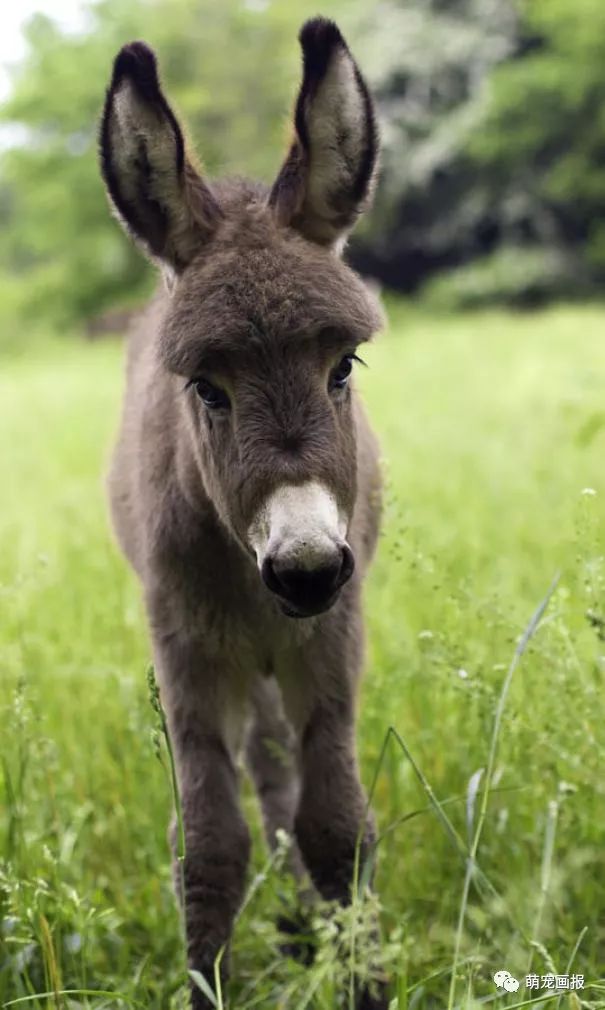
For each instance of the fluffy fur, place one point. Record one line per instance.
(263, 307)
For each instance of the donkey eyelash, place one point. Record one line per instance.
(192, 382)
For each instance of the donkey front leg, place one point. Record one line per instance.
(273, 762)
(332, 818)
(272, 754)
(217, 842)
(332, 815)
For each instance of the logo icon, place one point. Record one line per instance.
(504, 980)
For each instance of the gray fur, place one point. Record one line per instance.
(266, 311)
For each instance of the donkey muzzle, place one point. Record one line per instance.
(299, 540)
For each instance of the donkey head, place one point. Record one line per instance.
(263, 318)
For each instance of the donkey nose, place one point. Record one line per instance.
(307, 591)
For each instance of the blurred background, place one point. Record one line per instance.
(487, 390)
(493, 121)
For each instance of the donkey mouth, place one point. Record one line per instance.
(300, 611)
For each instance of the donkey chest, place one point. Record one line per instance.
(251, 646)
(252, 637)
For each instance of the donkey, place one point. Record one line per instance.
(245, 484)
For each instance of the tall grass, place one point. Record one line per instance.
(486, 775)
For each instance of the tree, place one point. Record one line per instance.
(431, 64)
(229, 68)
(541, 143)
(499, 163)
(492, 118)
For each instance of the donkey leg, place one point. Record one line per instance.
(332, 817)
(332, 814)
(217, 842)
(273, 763)
(217, 847)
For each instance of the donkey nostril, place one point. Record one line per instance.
(269, 577)
(308, 587)
(347, 565)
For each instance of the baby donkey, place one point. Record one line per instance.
(245, 483)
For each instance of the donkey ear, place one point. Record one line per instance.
(157, 194)
(326, 180)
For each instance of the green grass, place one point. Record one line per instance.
(493, 429)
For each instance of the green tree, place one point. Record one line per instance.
(430, 61)
(493, 125)
(229, 68)
(541, 143)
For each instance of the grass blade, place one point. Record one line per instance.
(522, 644)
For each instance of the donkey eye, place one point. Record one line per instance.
(339, 376)
(212, 397)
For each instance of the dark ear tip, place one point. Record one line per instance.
(319, 37)
(137, 61)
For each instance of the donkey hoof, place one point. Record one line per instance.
(374, 998)
(298, 942)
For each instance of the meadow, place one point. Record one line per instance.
(493, 432)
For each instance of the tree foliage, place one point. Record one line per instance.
(541, 143)
(430, 68)
(229, 69)
(503, 160)
(493, 123)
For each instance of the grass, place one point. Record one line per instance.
(493, 431)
